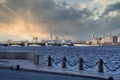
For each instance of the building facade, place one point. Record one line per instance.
(118, 40)
(110, 40)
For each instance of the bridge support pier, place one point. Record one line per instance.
(25, 44)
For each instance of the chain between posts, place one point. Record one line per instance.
(69, 63)
(90, 66)
(81, 63)
(56, 62)
(111, 69)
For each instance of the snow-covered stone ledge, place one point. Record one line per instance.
(28, 65)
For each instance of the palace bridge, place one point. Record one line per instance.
(34, 44)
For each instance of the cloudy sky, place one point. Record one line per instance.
(72, 19)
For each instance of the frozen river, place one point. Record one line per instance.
(91, 55)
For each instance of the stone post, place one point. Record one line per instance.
(49, 61)
(64, 62)
(36, 59)
(110, 78)
(17, 67)
(100, 66)
(81, 64)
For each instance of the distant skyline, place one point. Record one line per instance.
(24, 19)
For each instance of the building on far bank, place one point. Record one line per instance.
(105, 41)
(110, 40)
(118, 40)
(95, 41)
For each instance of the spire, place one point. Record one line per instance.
(93, 36)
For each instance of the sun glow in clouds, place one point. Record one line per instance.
(23, 30)
(19, 28)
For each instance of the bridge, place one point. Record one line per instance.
(20, 43)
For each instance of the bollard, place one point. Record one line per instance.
(110, 78)
(17, 67)
(81, 64)
(11, 67)
(49, 61)
(100, 66)
(64, 62)
(36, 59)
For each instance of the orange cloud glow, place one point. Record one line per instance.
(23, 30)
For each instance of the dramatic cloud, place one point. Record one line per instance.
(113, 9)
(29, 18)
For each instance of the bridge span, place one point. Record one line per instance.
(34, 44)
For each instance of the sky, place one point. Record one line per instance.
(68, 19)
